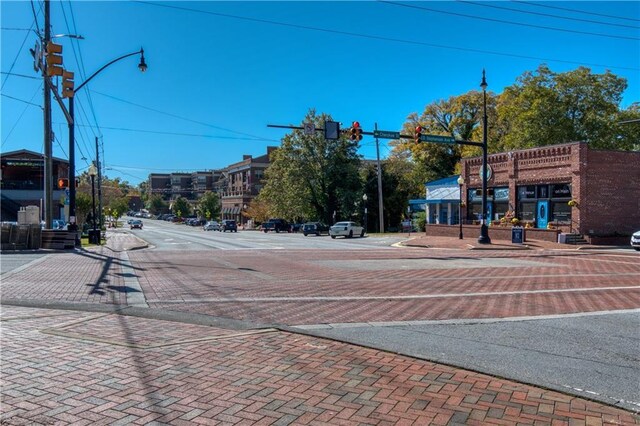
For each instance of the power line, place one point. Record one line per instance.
(546, 14)
(20, 75)
(575, 10)
(411, 6)
(19, 118)
(395, 40)
(185, 119)
(26, 102)
(157, 132)
(17, 56)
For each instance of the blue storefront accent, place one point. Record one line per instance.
(543, 213)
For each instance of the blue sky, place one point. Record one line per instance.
(219, 72)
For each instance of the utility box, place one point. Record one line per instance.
(29, 215)
(94, 236)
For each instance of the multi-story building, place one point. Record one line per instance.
(22, 182)
(240, 183)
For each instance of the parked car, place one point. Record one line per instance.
(277, 225)
(316, 228)
(346, 229)
(635, 240)
(136, 223)
(229, 225)
(212, 226)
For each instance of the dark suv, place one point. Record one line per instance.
(278, 225)
(228, 225)
(316, 228)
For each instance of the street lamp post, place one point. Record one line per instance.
(72, 155)
(460, 183)
(364, 199)
(93, 171)
(484, 230)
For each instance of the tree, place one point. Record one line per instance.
(181, 207)
(258, 210)
(157, 205)
(83, 207)
(117, 207)
(546, 108)
(209, 205)
(311, 177)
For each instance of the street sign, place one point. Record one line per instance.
(384, 134)
(437, 139)
(309, 129)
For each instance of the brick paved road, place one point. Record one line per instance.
(309, 287)
(62, 367)
(103, 369)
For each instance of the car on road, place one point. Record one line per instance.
(635, 240)
(212, 226)
(229, 225)
(346, 229)
(315, 228)
(277, 225)
(136, 223)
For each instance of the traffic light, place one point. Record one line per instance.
(418, 134)
(63, 183)
(54, 59)
(356, 131)
(67, 84)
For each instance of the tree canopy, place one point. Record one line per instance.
(312, 177)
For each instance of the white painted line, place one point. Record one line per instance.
(462, 321)
(405, 297)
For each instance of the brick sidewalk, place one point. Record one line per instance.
(63, 367)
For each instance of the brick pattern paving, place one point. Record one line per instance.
(276, 378)
(213, 284)
(81, 277)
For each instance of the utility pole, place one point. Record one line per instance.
(380, 209)
(48, 140)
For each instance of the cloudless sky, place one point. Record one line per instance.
(219, 72)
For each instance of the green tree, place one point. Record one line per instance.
(547, 108)
(209, 205)
(83, 207)
(157, 205)
(181, 207)
(118, 207)
(311, 177)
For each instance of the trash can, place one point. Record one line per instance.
(94, 236)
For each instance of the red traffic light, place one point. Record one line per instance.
(418, 133)
(355, 124)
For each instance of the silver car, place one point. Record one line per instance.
(635, 240)
(346, 229)
(212, 226)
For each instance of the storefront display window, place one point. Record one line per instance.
(527, 211)
(560, 212)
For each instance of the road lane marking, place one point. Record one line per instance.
(405, 297)
(462, 321)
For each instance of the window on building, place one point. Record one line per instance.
(527, 211)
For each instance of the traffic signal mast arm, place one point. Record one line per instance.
(362, 132)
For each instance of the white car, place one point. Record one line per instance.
(346, 229)
(635, 240)
(212, 226)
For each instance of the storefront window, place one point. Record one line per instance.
(560, 212)
(527, 211)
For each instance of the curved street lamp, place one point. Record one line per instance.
(460, 183)
(93, 171)
(484, 230)
(72, 155)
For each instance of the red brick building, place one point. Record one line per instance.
(569, 187)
